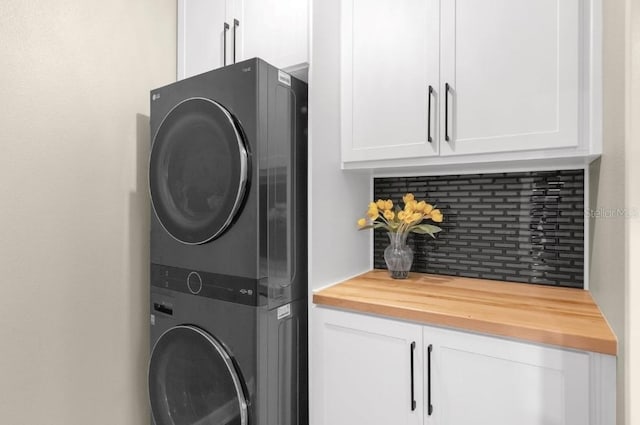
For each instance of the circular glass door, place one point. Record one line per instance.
(198, 170)
(193, 381)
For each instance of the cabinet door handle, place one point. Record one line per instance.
(447, 88)
(413, 398)
(429, 138)
(224, 44)
(236, 24)
(429, 405)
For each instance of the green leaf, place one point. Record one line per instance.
(373, 226)
(428, 229)
(393, 226)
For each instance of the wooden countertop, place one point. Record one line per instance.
(550, 315)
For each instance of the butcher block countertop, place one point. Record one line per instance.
(559, 316)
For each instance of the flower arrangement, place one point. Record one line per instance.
(394, 219)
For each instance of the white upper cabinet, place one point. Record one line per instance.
(513, 71)
(277, 31)
(203, 29)
(389, 64)
(215, 33)
(510, 79)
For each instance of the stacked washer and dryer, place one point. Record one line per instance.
(227, 176)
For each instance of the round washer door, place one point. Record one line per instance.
(198, 170)
(193, 381)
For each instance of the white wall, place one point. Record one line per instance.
(632, 148)
(615, 184)
(74, 84)
(337, 250)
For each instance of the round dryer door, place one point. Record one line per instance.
(193, 381)
(198, 170)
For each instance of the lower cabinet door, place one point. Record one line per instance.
(365, 370)
(474, 379)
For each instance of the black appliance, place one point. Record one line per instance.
(215, 362)
(227, 178)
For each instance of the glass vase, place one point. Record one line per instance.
(398, 255)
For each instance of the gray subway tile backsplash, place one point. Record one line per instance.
(522, 227)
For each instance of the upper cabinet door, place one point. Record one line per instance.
(512, 68)
(201, 36)
(235, 17)
(215, 33)
(276, 31)
(389, 60)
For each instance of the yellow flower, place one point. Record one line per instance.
(408, 197)
(410, 206)
(412, 217)
(381, 212)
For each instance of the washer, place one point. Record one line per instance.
(227, 178)
(219, 363)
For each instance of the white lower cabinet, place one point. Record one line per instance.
(478, 379)
(362, 370)
(366, 370)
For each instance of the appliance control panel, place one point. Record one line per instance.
(211, 285)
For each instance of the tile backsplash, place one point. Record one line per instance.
(522, 227)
